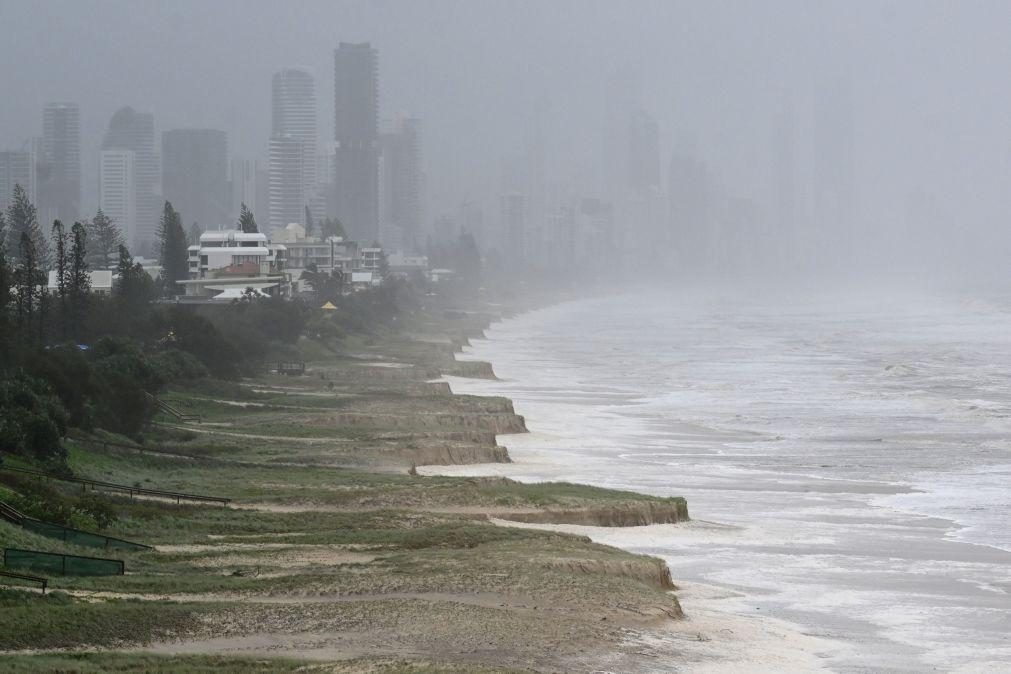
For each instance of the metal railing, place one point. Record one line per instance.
(132, 491)
(44, 582)
(106, 444)
(291, 367)
(165, 407)
(66, 534)
(11, 514)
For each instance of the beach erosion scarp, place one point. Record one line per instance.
(719, 631)
(335, 549)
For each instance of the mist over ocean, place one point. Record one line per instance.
(845, 460)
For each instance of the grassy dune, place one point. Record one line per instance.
(332, 550)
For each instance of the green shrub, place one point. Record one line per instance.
(175, 365)
(32, 419)
(45, 502)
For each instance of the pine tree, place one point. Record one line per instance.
(123, 285)
(308, 222)
(23, 218)
(78, 278)
(26, 281)
(59, 236)
(104, 237)
(195, 232)
(133, 286)
(125, 262)
(6, 279)
(247, 223)
(173, 255)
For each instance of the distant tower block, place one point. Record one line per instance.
(356, 136)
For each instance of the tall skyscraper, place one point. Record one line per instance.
(643, 154)
(325, 184)
(117, 191)
(621, 98)
(195, 175)
(356, 131)
(692, 209)
(250, 185)
(287, 181)
(293, 97)
(513, 234)
(400, 185)
(16, 168)
(59, 163)
(134, 131)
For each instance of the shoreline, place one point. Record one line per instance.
(825, 551)
(709, 637)
(334, 549)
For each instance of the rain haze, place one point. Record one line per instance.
(560, 335)
(891, 114)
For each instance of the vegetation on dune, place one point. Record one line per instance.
(100, 663)
(56, 620)
(307, 544)
(72, 359)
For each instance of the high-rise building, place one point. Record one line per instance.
(250, 185)
(356, 131)
(59, 163)
(287, 181)
(643, 154)
(117, 191)
(513, 213)
(134, 131)
(293, 97)
(16, 168)
(400, 185)
(622, 95)
(691, 194)
(325, 185)
(195, 175)
(472, 221)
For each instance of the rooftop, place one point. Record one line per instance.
(232, 235)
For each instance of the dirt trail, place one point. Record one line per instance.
(251, 436)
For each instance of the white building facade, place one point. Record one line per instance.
(227, 263)
(293, 156)
(117, 193)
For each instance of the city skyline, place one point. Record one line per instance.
(889, 166)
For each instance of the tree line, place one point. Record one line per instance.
(71, 358)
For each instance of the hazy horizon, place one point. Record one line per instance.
(901, 108)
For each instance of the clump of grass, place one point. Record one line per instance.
(54, 620)
(97, 663)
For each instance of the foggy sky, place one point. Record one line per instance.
(929, 83)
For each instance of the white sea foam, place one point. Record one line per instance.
(854, 448)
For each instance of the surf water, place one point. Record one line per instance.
(848, 462)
